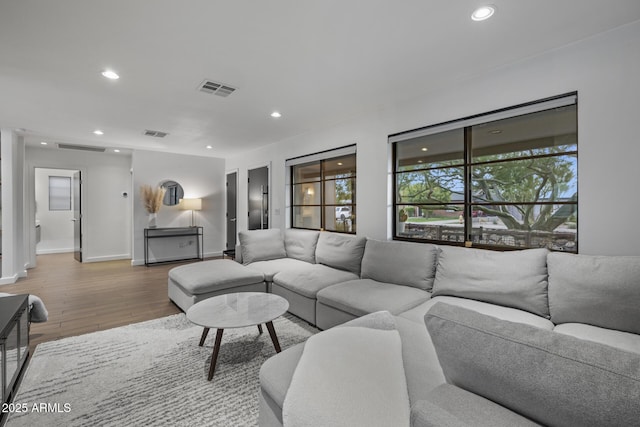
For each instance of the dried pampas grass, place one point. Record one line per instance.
(152, 197)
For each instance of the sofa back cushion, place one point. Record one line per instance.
(261, 245)
(301, 244)
(598, 290)
(341, 251)
(551, 378)
(409, 264)
(515, 279)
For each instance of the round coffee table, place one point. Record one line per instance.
(237, 310)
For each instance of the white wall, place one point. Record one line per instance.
(106, 213)
(604, 71)
(200, 177)
(56, 227)
(13, 250)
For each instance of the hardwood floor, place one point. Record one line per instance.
(83, 298)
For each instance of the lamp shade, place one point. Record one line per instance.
(191, 204)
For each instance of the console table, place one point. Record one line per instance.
(172, 233)
(14, 342)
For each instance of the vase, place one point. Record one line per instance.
(152, 219)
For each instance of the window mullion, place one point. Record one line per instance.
(468, 197)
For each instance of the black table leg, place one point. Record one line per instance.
(274, 338)
(260, 328)
(204, 336)
(214, 357)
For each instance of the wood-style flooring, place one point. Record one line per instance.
(88, 297)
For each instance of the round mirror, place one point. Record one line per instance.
(173, 192)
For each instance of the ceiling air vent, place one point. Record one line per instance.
(155, 133)
(215, 88)
(81, 147)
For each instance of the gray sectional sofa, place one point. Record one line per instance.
(485, 338)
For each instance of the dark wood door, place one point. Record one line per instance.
(258, 198)
(232, 193)
(77, 216)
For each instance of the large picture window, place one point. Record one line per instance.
(507, 179)
(323, 191)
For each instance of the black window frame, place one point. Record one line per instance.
(323, 179)
(470, 236)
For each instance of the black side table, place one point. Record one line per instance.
(173, 232)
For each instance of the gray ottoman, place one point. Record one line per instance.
(191, 283)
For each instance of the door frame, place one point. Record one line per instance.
(30, 205)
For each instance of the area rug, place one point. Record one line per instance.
(149, 374)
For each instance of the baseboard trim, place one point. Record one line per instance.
(54, 251)
(107, 258)
(136, 262)
(10, 280)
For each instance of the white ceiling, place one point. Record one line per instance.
(318, 63)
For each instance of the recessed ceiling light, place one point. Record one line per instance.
(276, 115)
(209, 147)
(339, 163)
(116, 151)
(419, 161)
(98, 132)
(495, 131)
(110, 74)
(43, 143)
(424, 148)
(483, 12)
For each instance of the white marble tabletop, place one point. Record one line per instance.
(237, 310)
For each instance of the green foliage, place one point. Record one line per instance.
(344, 190)
(505, 178)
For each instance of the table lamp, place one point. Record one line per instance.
(192, 205)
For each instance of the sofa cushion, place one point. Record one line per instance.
(420, 359)
(341, 251)
(417, 313)
(515, 279)
(276, 373)
(308, 280)
(261, 245)
(272, 267)
(551, 378)
(364, 296)
(409, 264)
(451, 406)
(598, 290)
(301, 244)
(623, 340)
(207, 276)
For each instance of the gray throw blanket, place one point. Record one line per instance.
(37, 311)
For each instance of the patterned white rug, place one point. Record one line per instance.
(149, 374)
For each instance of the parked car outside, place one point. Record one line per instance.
(343, 212)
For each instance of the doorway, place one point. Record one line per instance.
(58, 218)
(232, 195)
(258, 198)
